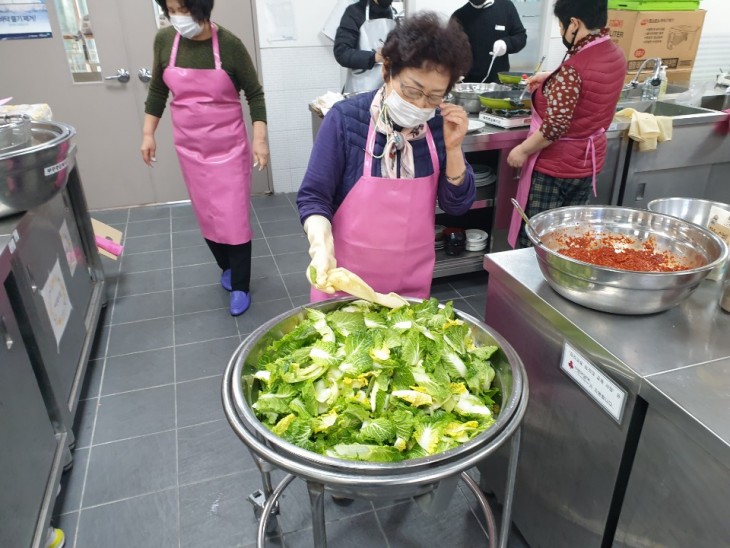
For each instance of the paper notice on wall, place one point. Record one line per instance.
(68, 248)
(280, 21)
(58, 304)
(24, 19)
(333, 21)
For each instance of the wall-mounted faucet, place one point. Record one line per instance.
(654, 79)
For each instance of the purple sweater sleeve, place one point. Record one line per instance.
(326, 168)
(456, 200)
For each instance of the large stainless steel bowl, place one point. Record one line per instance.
(369, 479)
(695, 211)
(466, 94)
(33, 174)
(623, 291)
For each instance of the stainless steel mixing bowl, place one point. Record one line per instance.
(372, 479)
(623, 291)
(33, 174)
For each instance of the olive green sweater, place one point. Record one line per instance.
(199, 55)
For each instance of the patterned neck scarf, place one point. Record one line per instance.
(395, 141)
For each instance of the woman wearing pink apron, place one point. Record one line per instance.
(572, 107)
(206, 68)
(380, 162)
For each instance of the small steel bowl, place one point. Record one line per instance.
(623, 291)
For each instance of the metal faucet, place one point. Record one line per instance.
(654, 79)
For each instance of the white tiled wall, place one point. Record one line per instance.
(292, 78)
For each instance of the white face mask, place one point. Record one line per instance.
(406, 114)
(186, 25)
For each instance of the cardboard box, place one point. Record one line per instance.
(672, 35)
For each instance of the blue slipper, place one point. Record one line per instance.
(226, 279)
(240, 301)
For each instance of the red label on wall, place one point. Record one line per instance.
(639, 53)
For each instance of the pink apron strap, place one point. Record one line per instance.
(173, 53)
(367, 166)
(216, 50)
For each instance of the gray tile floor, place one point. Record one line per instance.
(156, 464)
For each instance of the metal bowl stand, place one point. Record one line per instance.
(266, 501)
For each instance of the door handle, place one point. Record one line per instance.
(144, 74)
(122, 75)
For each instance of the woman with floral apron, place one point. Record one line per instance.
(571, 110)
(205, 70)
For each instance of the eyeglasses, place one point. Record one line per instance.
(415, 94)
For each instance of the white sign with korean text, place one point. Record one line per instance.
(594, 382)
(57, 301)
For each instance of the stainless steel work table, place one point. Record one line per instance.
(657, 475)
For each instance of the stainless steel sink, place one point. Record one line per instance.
(681, 114)
(716, 102)
(662, 108)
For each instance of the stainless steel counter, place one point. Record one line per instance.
(699, 397)
(658, 476)
(491, 137)
(694, 332)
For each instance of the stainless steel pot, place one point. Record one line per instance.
(623, 291)
(32, 174)
(467, 94)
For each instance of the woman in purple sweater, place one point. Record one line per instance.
(380, 161)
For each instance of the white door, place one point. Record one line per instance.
(108, 114)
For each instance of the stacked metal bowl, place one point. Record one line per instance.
(623, 291)
(35, 164)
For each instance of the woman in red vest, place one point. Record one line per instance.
(571, 109)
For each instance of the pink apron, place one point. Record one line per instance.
(383, 230)
(523, 187)
(212, 146)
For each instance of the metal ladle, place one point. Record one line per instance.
(490, 69)
(527, 221)
(518, 102)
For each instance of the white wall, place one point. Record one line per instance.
(714, 51)
(294, 72)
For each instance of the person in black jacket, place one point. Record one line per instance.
(364, 64)
(493, 27)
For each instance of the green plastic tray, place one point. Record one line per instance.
(654, 5)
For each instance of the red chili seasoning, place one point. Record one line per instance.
(619, 252)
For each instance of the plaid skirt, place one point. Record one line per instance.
(549, 192)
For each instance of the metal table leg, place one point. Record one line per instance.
(316, 500)
(509, 492)
(486, 510)
(268, 507)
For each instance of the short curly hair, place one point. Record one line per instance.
(200, 10)
(426, 41)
